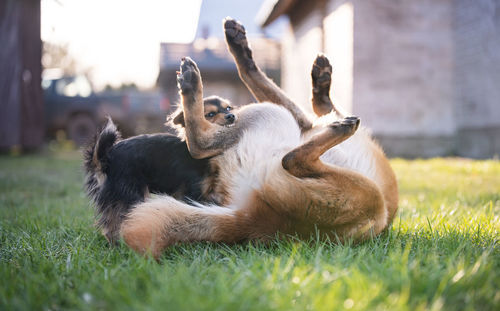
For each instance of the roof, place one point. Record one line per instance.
(214, 58)
(215, 61)
(212, 53)
(272, 9)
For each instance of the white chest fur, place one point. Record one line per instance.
(271, 132)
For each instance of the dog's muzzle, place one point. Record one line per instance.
(230, 118)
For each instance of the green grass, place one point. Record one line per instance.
(442, 251)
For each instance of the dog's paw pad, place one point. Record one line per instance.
(234, 31)
(188, 78)
(321, 73)
(236, 39)
(346, 126)
(187, 64)
(351, 122)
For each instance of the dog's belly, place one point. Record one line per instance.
(272, 133)
(355, 153)
(257, 156)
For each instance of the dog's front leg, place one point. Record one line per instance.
(204, 139)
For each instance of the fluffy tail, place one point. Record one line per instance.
(96, 158)
(163, 221)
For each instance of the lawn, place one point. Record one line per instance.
(442, 251)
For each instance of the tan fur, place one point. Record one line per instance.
(265, 90)
(212, 189)
(386, 179)
(294, 191)
(154, 225)
(176, 119)
(321, 79)
(256, 81)
(198, 129)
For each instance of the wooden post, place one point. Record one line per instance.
(21, 102)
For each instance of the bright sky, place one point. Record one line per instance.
(119, 39)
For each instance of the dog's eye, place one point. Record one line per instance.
(210, 114)
(229, 108)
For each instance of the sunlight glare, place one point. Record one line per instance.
(119, 40)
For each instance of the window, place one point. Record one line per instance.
(46, 84)
(71, 87)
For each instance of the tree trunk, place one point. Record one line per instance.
(21, 103)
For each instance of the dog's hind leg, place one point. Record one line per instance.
(304, 160)
(158, 223)
(339, 201)
(154, 225)
(256, 81)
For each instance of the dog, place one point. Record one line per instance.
(121, 173)
(282, 173)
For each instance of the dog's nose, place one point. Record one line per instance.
(229, 117)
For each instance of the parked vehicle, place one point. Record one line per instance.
(72, 105)
(136, 112)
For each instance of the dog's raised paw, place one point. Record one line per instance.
(188, 78)
(234, 31)
(236, 39)
(187, 64)
(347, 126)
(321, 74)
(351, 121)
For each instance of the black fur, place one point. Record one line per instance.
(121, 172)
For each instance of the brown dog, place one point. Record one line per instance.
(270, 168)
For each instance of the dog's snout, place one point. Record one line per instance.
(230, 117)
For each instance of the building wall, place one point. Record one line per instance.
(319, 28)
(300, 45)
(403, 74)
(477, 76)
(403, 61)
(423, 75)
(338, 27)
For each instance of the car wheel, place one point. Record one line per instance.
(81, 128)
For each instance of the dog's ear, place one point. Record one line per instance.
(177, 118)
(176, 121)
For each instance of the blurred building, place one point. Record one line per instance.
(219, 73)
(424, 75)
